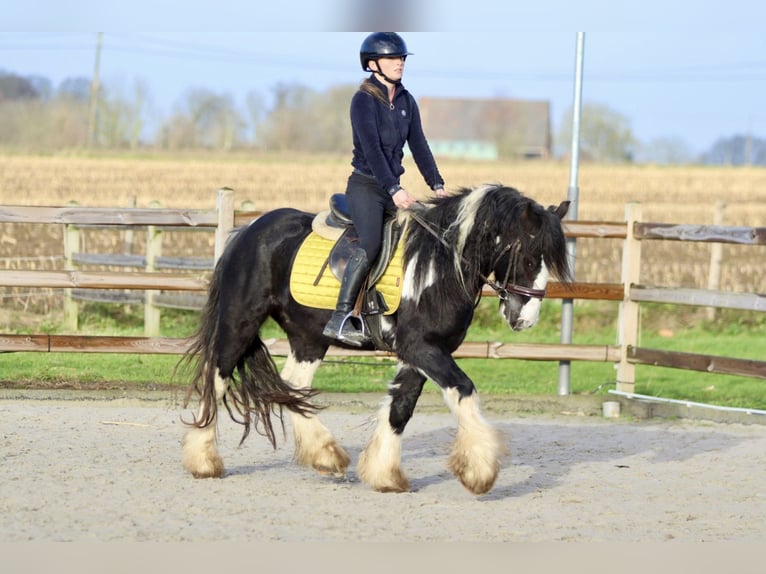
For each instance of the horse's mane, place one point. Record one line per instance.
(469, 221)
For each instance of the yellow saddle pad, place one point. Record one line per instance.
(310, 262)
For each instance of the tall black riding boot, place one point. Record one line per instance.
(341, 325)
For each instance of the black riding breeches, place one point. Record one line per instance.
(368, 204)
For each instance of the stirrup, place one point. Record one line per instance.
(353, 336)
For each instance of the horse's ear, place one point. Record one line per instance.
(530, 218)
(561, 210)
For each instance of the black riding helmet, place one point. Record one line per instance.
(381, 45)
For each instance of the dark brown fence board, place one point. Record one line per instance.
(13, 343)
(93, 344)
(596, 291)
(696, 362)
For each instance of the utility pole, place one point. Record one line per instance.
(93, 108)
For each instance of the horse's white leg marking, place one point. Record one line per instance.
(200, 451)
(315, 445)
(530, 312)
(476, 453)
(379, 462)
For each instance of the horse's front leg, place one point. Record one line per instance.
(478, 447)
(379, 463)
(315, 446)
(200, 449)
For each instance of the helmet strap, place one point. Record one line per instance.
(380, 73)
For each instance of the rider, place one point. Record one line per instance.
(384, 116)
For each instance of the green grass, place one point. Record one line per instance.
(734, 334)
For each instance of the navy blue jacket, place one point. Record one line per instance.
(380, 132)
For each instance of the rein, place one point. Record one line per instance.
(501, 290)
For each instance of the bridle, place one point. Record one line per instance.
(501, 289)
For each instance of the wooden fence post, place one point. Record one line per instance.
(71, 246)
(225, 207)
(716, 257)
(627, 330)
(153, 251)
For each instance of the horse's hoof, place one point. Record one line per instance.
(477, 476)
(394, 488)
(335, 473)
(335, 462)
(205, 469)
(329, 460)
(200, 455)
(381, 479)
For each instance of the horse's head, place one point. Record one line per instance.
(526, 258)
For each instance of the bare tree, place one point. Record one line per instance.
(305, 120)
(256, 109)
(216, 122)
(605, 134)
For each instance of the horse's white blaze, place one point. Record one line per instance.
(379, 463)
(315, 446)
(476, 452)
(200, 450)
(530, 312)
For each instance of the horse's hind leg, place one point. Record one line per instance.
(380, 463)
(200, 450)
(315, 446)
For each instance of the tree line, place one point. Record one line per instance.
(36, 116)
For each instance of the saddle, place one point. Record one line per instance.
(335, 224)
(340, 218)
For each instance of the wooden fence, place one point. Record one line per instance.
(630, 292)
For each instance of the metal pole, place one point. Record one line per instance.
(567, 309)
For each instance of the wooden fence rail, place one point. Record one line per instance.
(155, 278)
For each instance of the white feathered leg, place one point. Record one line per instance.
(200, 449)
(315, 446)
(379, 463)
(478, 448)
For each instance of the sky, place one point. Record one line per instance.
(690, 70)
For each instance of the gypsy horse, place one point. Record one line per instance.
(453, 246)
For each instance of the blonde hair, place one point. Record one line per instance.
(368, 87)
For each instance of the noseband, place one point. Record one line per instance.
(501, 289)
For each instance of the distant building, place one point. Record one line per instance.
(487, 128)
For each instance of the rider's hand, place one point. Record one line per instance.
(440, 192)
(402, 199)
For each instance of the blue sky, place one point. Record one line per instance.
(694, 70)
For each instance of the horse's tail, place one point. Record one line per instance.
(246, 379)
(258, 392)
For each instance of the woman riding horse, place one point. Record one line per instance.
(384, 116)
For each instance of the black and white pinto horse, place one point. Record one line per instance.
(490, 234)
